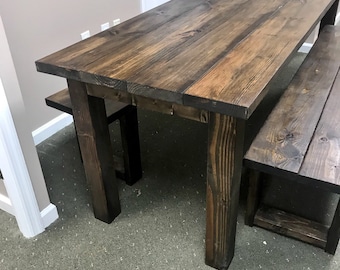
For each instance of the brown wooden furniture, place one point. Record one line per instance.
(208, 61)
(300, 141)
(127, 115)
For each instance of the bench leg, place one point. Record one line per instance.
(94, 140)
(131, 147)
(254, 196)
(224, 167)
(334, 232)
(329, 18)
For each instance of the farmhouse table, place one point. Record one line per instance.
(206, 60)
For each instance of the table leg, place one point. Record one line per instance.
(94, 140)
(224, 165)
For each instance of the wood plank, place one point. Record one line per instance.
(190, 46)
(145, 103)
(240, 78)
(170, 56)
(291, 225)
(322, 160)
(225, 143)
(62, 101)
(116, 45)
(284, 139)
(198, 43)
(115, 37)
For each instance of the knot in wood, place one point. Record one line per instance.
(323, 139)
(190, 33)
(290, 136)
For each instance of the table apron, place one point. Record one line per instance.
(157, 105)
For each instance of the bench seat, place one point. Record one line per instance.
(131, 171)
(300, 141)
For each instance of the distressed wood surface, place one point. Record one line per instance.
(225, 148)
(215, 56)
(131, 171)
(194, 52)
(291, 225)
(94, 140)
(301, 139)
(149, 103)
(322, 160)
(284, 139)
(62, 101)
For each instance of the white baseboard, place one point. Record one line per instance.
(305, 48)
(49, 215)
(6, 205)
(53, 126)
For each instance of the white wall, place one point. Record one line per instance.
(15, 101)
(34, 29)
(25, 194)
(37, 28)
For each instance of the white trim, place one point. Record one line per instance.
(16, 177)
(337, 18)
(49, 215)
(142, 6)
(305, 48)
(150, 4)
(51, 127)
(5, 204)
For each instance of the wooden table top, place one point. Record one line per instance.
(217, 55)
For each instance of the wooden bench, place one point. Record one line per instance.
(300, 141)
(127, 115)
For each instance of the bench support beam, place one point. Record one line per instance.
(334, 232)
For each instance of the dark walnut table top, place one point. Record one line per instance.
(217, 55)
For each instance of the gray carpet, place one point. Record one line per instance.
(162, 224)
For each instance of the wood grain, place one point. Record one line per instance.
(240, 78)
(322, 160)
(301, 139)
(225, 143)
(131, 171)
(284, 139)
(94, 139)
(62, 101)
(291, 225)
(149, 104)
(193, 58)
(194, 52)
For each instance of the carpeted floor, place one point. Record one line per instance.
(162, 224)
